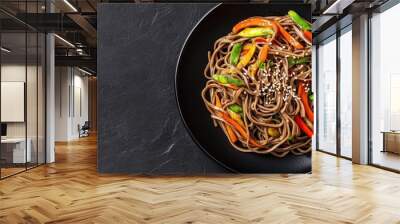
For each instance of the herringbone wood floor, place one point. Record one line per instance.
(70, 191)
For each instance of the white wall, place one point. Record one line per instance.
(9, 73)
(71, 102)
(62, 82)
(16, 73)
(33, 127)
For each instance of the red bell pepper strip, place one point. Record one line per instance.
(303, 126)
(308, 35)
(292, 41)
(304, 98)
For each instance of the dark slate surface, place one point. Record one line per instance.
(140, 129)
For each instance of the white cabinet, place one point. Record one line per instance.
(19, 155)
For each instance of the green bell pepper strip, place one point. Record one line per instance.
(270, 63)
(257, 32)
(236, 108)
(297, 61)
(236, 112)
(311, 96)
(227, 79)
(262, 65)
(304, 24)
(235, 54)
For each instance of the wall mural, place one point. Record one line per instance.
(205, 88)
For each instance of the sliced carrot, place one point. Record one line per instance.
(240, 129)
(289, 37)
(217, 101)
(254, 21)
(231, 86)
(232, 122)
(245, 59)
(243, 52)
(245, 49)
(262, 56)
(231, 134)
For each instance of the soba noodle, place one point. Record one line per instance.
(267, 100)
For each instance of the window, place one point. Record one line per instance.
(346, 72)
(385, 89)
(327, 95)
(22, 78)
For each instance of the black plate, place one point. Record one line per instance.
(189, 82)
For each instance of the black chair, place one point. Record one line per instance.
(84, 130)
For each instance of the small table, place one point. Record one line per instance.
(19, 155)
(391, 141)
